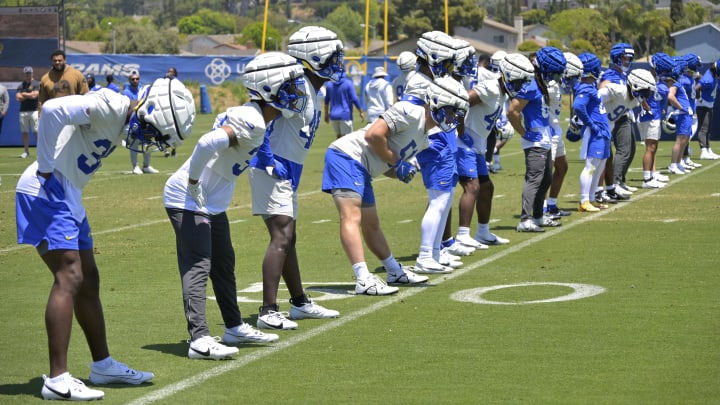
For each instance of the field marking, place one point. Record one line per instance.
(404, 293)
(580, 291)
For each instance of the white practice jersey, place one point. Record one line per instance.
(554, 107)
(407, 137)
(616, 100)
(481, 118)
(417, 85)
(292, 134)
(220, 173)
(399, 84)
(81, 130)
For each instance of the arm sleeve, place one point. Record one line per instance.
(205, 149)
(264, 157)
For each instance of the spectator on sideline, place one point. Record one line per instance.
(406, 63)
(340, 98)
(384, 148)
(132, 91)
(378, 95)
(197, 197)
(92, 86)
(62, 80)
(27, 96)
(275, 176)
(110, 79)
(50, 216)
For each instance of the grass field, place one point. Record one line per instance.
(642, 328)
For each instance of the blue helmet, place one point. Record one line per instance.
(618, 52)
(551, 63)
(591, 64)
(679, 66)
(662, 63)
(693, 61)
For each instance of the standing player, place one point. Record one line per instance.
(406, 62)
(75, 134)
(385, 147)
(679, 108)
(197, 197)
(275, 177)
(707, 89)
(649, 122)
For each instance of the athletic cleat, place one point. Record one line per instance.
(450, 260)
(492, 239)
(430, 266)
(372, 285)
(661, 177)
(68, 389)
(459, 249)
(620, 191)
(706, 154)
(676, 169)
(586, 206)
(245, 333)
(546, 222)
(137, 170)
(24, 155)
(311, 310)
(653, 183)
(557, 212)
(467, 240)
(150, 170)
(629, 189)
(614, 195)
(118, 373)
(275, 320)
(689, 163)
(406, 276)
(600, 205)
(209, 348)
(603, 197)
(496, 167)
(529, 225)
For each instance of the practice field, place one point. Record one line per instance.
(617, 307)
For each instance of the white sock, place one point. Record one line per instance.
(103, 364)
(391, 265)
(463, 230)
(361, 270)
(483, 230)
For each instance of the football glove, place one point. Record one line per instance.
(197, 194)
(278, 171)
(53, 189)
(405, 171)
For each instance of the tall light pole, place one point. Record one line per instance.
(112, 27)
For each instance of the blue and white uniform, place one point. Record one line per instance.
(74, 134)
(683, 119)
(215, 163)
(479, 122)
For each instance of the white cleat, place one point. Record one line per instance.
(430, 266)
(492, 239)
(372, 285)
(653, 183)
(208, 348)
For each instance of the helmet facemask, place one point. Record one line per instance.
(447, 117)
(333, 68)
(291, 95)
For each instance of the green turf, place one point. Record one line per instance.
(651, 338)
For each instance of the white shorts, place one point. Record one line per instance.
(342, 127)
(271, 196)
(29, 120)
(649, 130)
(558, 147)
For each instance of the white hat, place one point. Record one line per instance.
(379, 72)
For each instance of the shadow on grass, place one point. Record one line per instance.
(32, 387)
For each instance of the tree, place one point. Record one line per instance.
(655, 26)
(143, 39)
(348, 21)
(253, 32)
(528, 46)
(693, 14)
(207, 22)
(427, 15)
(534, 16)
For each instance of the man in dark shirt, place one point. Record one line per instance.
(27, 96)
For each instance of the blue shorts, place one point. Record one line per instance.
(343, 172)
(439, 170)
(684, 124)
(39, 219)
(471, 164)
(598, 147)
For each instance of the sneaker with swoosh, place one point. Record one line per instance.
(68, 389)
(209, 348)
(244, 333)
(118, 373)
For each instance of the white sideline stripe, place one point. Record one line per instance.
(242, 361)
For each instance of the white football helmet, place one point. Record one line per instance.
(448, 101)
(669, 123)
(495, 61)
(641, 83)
(505, 130)
(319, 50)
(573, 67)
(163, 118)
(438, 50)
(465, 60)
(406, 61)
(276, 78)
(516, 71)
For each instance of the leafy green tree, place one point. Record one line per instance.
(655, 26)
(348, 21)
(142, 38)
(534, 16)
(207, 22)
(528, 46)
(427, 15)
(579, 46)
(693, 14)
(253, 32)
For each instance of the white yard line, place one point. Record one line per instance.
(404, 293)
